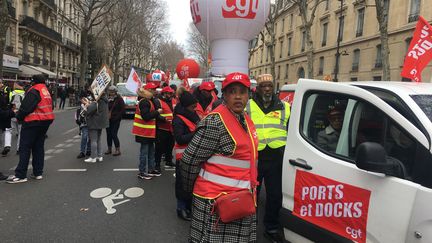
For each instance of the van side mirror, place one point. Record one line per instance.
(372, 156)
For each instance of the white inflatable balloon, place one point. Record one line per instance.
(229, 25)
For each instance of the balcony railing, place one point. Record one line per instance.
(9, 49)
(413, 17)
(355, 67)
(323, 43)
(359, 33)
(378, 65)
(36, 60)
(71, 45)
(45, 62)
(53, 64)
(31, 23)
(49, 3)
(320, 72)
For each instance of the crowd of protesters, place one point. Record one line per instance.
(212, 143)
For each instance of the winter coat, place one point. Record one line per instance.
(144, 105)
(6, 112)
(182, 135)
(116, 108)
(97, 114)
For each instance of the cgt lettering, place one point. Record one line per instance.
(239, 8)
(354, 233)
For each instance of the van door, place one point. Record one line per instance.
(323, 189)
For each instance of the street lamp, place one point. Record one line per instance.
(338, 44)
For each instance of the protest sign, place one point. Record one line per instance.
(101, 81)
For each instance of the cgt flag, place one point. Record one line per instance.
(134, 82)
(419, 52)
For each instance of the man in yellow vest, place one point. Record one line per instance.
(270, 116)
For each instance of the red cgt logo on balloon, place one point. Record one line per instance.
(187, 68)
(240, 9)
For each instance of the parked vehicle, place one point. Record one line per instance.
(286, 93)
(130, 99)
(375, 184)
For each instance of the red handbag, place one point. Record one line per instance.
(236, 205)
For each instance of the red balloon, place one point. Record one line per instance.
(187, 68)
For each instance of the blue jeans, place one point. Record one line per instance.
(85, 140)
(147, 157)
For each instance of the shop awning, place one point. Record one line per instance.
(27, 71)
(44, 71)
(11, 70)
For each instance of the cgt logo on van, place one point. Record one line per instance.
(338, 207)
(246, 9)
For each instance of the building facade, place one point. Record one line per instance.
(45, 34)
(360, 45)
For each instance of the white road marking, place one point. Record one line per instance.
(77, 136)
(58, 151)
(72, 170)
(169, 169)
(49, 151)
(126, 169)
(77, 140)
(69, 140)
(60, 145)
(48, 157)
(70, 130)
(69, 145)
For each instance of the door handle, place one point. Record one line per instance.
(300, 163)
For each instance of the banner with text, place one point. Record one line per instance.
(101, 81)
(419, 51)
(338, 207)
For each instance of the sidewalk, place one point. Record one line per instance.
(66, 107)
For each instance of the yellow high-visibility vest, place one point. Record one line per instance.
(270, 127)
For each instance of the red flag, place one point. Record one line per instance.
(419, 52)
(186, 84)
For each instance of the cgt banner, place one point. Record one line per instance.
(101, 81)
(338, 207)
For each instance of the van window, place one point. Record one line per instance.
(337, 124)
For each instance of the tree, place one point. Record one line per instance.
(170, 53)
(4, 25)
(92, 12)
(382, 11)
(121, 21)
(198, 48)
(307, 21)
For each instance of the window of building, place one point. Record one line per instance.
(354, 79)
(376, 78)
(327, 4)
(321, 66)
(262, 54)
(8, 36)
(301, 72)
(268, 53)
(324, 34)
(25, 8)
(276, 29)
(360, 22)
(291, 21)
(378, 61)
(278, 72)
(286, 70)
(303, 42)
(281, 48)
(414, 11)
(407, 42)
(341, 27)
(25, 46)
(265, 70)
(35, 49)
(289, 46)
(283, 25)
(356, 60)
(44, 54)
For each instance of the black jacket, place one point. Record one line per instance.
(28, 105)
(118, 110)
(182, 135)
(6, 112)
(144, 105)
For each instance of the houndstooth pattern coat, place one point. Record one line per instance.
(211, 138)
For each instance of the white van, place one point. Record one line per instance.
(370, 183)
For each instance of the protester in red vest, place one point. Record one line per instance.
(206, 96)
(220, 160)
(164, 136)
(184, 124)
(36, 115)
(144, 128)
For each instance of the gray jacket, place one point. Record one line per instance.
(97, 114)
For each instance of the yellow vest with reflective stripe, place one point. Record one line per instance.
(270, 127)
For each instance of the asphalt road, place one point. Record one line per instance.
(62, 207)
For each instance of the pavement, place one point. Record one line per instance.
(90, 202)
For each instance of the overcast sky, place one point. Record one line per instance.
(179, 18)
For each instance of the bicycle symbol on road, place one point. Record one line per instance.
(108, 198)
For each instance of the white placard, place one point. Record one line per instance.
(101, 81)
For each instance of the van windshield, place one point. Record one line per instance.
(425, 103)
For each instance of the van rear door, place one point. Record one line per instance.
(323, 189)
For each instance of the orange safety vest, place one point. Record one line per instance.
(168, 114)
(141, 127)
(179, 149)
(222, 174)
(43, 111)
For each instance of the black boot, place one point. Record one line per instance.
(181, 213)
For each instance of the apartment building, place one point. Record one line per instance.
(360, 46)
(44, 37)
